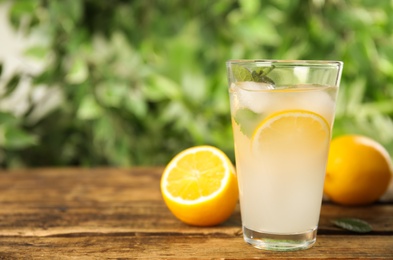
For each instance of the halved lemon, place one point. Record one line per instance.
(291, 134)
(199, 186)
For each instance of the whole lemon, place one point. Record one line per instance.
(358, 171)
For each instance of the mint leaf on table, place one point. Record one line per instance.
(247, 120)
(353, 224)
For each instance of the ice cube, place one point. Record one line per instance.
(316, 100)
(254, 86)
(319, 102)
(251, 95)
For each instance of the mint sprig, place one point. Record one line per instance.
(353, 224)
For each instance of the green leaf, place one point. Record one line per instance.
(241, 73)
(260, 75)
(38, 52)
(1, 69)
(7, 118)
(11, 85)
(247, 120)
(78, 73)
(353, 224)
(16, 138)
(250, 7)
(257, 75)
(137, 105)
(89, 109)
(161, 88)
(21, 9)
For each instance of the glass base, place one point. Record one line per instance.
(280, 242)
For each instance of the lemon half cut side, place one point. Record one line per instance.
(199, 186)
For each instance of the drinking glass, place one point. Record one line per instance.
(282, 115)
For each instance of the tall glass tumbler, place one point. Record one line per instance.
(282, 116)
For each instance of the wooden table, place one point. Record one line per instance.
(119, 213)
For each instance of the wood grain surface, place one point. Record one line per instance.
(119, 213)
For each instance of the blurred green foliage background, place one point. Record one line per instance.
(133, 82)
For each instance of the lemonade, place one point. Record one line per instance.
(275, 175)
(282, 134)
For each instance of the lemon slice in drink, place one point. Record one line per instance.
(199, 186)
(291, 134)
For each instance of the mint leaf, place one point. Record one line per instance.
(242, 73)
(247, 120)
(353, 224)
(258, 75)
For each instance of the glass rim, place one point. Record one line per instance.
(268, 62)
